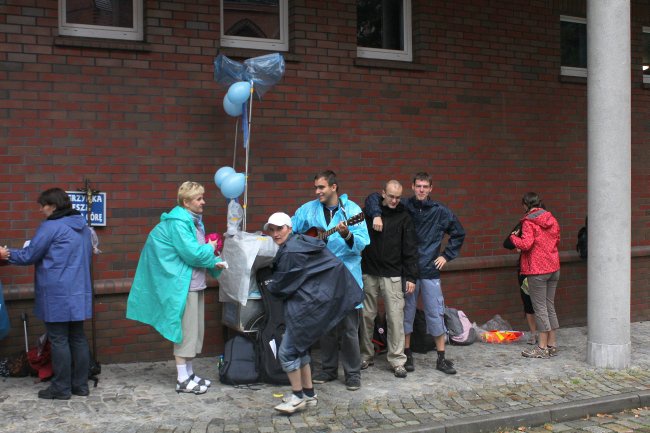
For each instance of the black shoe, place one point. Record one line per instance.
(408, 365)
(48, 394)
(352, 383)
(445, 366)
(81, 392)
(322, 377)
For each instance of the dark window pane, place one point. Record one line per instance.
(574, 44)
(109, 13)
(379, 24)
(252, 18)
(646, 53)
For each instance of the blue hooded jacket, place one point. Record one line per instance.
(60, 251)
(311, 215)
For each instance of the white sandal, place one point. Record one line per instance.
(190, 386)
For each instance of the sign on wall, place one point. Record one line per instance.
(97, 209)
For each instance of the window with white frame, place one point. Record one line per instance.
(573, 42)
(255, 24)
(384, 30)
(109, 19)
(646, 55)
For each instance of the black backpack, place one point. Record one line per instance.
(270, 336)
(421, 342)
(239, 362)
(581, 246)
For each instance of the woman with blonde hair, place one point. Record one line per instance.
(168, 287)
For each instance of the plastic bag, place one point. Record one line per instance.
(496, 323)
(235, 215)
(245, 254)
(264, 71)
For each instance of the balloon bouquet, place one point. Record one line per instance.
(254, 76)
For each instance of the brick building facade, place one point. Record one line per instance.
(482, 106)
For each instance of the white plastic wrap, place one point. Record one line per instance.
(245, 254)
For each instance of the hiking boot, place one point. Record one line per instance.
(49, 394)
(399, 371)
(322, 377)
(408, 365)
(535, 352)
(446, 366)
(291, 404)
(352, 383)
(552, 350)
(81, 392)
(366, 364)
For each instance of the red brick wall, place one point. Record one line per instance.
(482, 108)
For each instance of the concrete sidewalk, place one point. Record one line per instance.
(495, 387)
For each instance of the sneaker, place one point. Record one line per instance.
(552, 350)
(291, 405)
(408, 365)
(535, 352)
(322, 377)
(366, 364)
(446, 366)
(399, 371)
(352, 383)
(309, 401)
(81, 392)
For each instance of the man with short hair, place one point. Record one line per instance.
(331, 211)
(318, 291)
(432, 220)
(391, 256)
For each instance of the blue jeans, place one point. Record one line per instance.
(290, 358)
(70, 356)
(434, 307)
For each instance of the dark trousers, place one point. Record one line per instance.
(348, 332)
(70, 356)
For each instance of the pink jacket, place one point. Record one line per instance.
(540, 236)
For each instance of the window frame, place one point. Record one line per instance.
(281, 44)
(135, 33)
(572, 71)
(646, 77)
(405, 55)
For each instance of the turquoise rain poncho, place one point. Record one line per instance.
(162, 279)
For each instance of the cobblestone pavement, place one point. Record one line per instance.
(495, 388)
(628, 421)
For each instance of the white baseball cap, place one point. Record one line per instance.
(278, 219)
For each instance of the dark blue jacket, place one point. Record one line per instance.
(318, 289)
(432, 220)
(60, 251)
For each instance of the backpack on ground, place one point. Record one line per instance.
(239, 362)
(269, 337)
(421, 342)
(581, 246)
(459, 329)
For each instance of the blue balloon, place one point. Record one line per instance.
(233, 110)
(233, 185)
(239, 92)
(221, 174)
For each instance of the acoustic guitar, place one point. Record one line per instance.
(324, 234)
